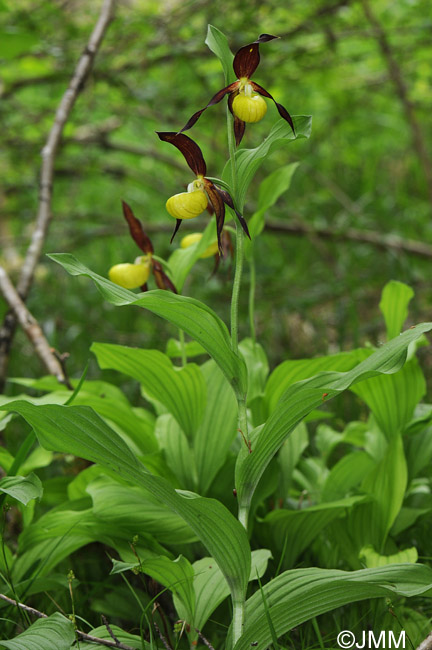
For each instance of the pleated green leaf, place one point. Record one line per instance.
(177, 575)
(182, 260)
(177, 453)
(80, 431)
(248, 161)
(217, 42)
(218, 427)
(182, 390)
(294, 530)
(393, 398)
(301, 594)
(53, 633)
(394, 303)
(210, 588)
(373, 559)
(131, 640)
(301, 398)
(22, 488)
(346, 474)
(292, 371)
(190, 315)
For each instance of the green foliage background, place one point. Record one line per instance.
(360, 168)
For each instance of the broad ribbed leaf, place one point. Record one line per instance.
(182, 260)
(270, 190)
(177, 453)
(292, 371)
(393, 398)
(301, 594)
(192, 316)
(347, 474)
(182, 390)
(292, 531)
(131, 640)
(80, 431)
(53, 633)
(301, 398)
(217, 42)
(218, 428)
(250, 160)
(372, 559)
(386, 484)
(22, 488)
(394, 303)
(177, 575)
(257, 367)
(211, 589)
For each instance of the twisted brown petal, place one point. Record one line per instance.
(177, 226)
(136, 230)
(282, 111)
(214, 100)
(247, 58)
(190, 150)
(226, 197)
(239, 125)
(162, 280)
(219, 207)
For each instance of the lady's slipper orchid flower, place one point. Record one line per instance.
(190, 204)
(132, 276)
(244, 100)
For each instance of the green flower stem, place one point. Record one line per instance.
(237, 620)
(252, 285)
(236, 286)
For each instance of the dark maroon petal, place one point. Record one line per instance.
(226, 197)
(282, 111)
(177, 226)
(214, 100)
(162, 280)
(144, 287)
(136, 230)
(219, 207)
(247, 58)
(239, 125)
(190, 150)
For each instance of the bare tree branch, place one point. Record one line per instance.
(82, 635)
(32, 329)
(44, 215)
(402, 91)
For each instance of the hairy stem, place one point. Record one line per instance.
(182, 347)
(252, 284)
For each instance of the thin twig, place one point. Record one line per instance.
(426, 644)
(44, 215)
(402, 92)
(161, 636)
(82, 635)
(204, 640)
(33, 330)
(111, 633)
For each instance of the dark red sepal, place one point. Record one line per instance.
(219, 207)
(144, 287)
(214, 100)
(190, 150)
(247, 58)
(239, 125)
(162, 280)
(136, 230)
(282, 111)
(226, 197)
(177, 226)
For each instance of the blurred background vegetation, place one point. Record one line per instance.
(361, 68)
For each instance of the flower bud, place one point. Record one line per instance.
(187, 205)
(129, 276)
(194, 238)
(249, 109)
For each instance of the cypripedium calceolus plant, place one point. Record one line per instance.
(245, 101)
(134, 276)
(201, 191)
